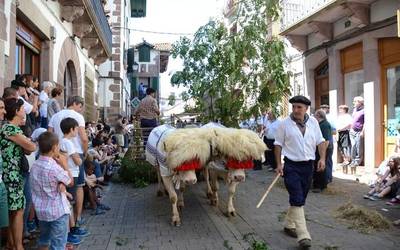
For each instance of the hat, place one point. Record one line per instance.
(300, 99)
(37, 132)
(324, 106)
(17, 83)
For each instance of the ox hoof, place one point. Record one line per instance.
(160, 193)
(213, 202)
(209, 195)
(176, 223)
(181, 205)
(231, 214)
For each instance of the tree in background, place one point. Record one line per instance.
(171, 99)
(233, 75)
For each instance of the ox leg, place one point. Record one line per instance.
(161, 188)
(207, 177)
(214, 188)
(169, 185)
(231, 192)
(181, 203)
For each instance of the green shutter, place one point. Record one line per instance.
(154, 84)
(134, 91)
(144, 53)
(138, 8)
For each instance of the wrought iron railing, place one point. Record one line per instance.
(96, 12)
(295, 10)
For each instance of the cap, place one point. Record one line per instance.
(17, 83)
(300, 99)
(324, 106)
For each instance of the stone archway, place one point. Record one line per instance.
(69, 71)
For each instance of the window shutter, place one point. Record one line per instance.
(144, 53)
(134, 91)
(154, 83)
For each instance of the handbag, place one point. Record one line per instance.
(24, 164)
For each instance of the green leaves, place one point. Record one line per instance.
(232, 76)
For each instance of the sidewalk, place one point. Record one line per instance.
(140, 220)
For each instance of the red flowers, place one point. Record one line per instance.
(189, 165)
(235, 164)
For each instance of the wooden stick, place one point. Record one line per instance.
(268, 190)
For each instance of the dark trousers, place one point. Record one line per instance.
(147, 125)
(43, 122)
(321, 179)
(297, 176)
(269, 154)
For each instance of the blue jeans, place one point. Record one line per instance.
(147, 125)
(97, 169)
(355, 138)
(297, 177)
(28, 200)
(43, 122)
(54, 233)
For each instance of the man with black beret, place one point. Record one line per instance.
(297, 138)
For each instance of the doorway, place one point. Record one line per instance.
(389, 56)
(322, 84)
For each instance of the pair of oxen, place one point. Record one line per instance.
(220, 151)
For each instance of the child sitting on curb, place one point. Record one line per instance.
(90, 188)
(388, 183)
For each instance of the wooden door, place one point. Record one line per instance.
(321, 85)
(389, 56)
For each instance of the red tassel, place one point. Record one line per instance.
(189, 165)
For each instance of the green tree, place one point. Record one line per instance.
(233, 75)
(171, 99)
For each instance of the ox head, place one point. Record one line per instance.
(188, 177)
(187, 171)
(236, 169)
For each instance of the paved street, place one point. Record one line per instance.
(140, 220)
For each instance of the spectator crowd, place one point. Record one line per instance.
(53, 165)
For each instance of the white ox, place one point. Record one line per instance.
(176, 154)
(236, 150)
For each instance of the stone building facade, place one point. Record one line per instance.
(61, 41)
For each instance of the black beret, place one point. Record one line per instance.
(300, 99)
(17, 83)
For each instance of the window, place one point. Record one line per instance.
(67, 83)
(144, 53)
(27, 51)
(353, 86)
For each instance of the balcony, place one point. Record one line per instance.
(300, 18)
(90, 25)
(294, 11)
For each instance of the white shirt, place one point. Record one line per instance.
(271, 129)
(44, 99)
(343, 121)
(27, 106)
(67, 146)
(55, 124)
(294, 145)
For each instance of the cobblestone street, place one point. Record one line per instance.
(141, 220)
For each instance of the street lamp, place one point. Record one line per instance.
(135, 67)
